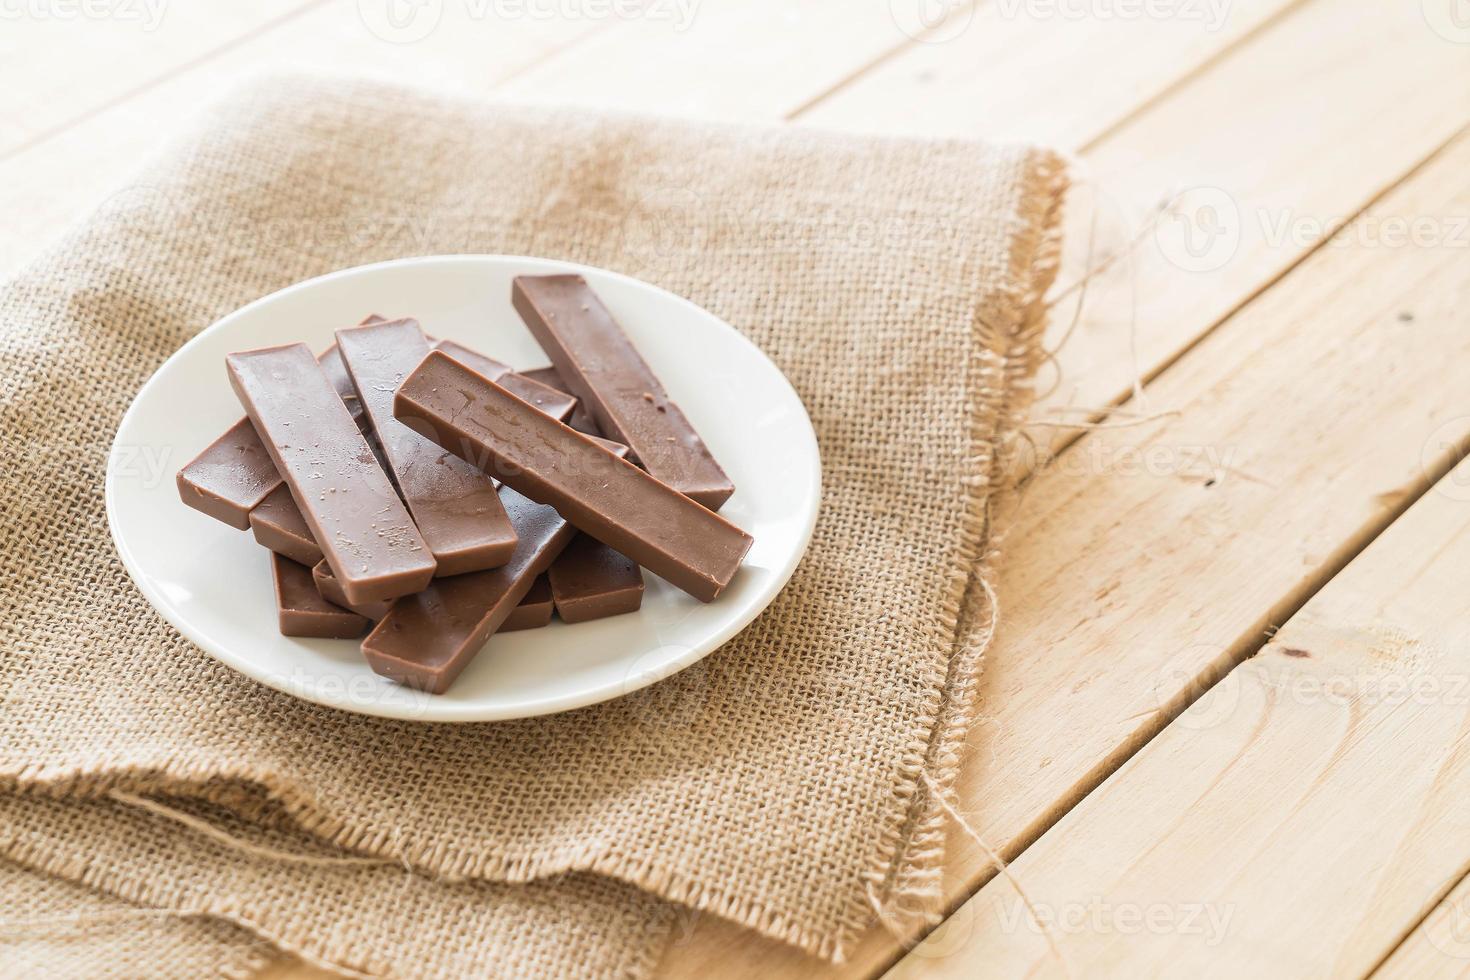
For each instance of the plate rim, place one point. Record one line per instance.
(450, 712)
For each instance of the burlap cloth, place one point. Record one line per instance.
(53, 928)
(785, 782)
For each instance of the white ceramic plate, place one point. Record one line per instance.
(213, 582)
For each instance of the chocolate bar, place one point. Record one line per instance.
(278, 525)
(454, 505)
(550, 399)
(534, 611)
(303, 611)
(600, 365)
(235, 473)
(579, 419)
(428, 639)
(331, 590)
(599, 493)
(363, 529)
(590, 581)
(231, 476)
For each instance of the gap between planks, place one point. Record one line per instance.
(1438, 946)
(1378, 171)
(197, 61)
(1429, 277)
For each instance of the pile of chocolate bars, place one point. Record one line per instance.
(430, 496)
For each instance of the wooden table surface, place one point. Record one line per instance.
(1224, 723)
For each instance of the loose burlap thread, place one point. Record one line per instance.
(51, 927)
(783, 782)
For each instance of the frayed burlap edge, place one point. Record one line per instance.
(1009, 332)
(256, 957)
(149, 894)
(903, 884)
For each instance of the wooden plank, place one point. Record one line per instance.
(1269, 148)
(58, 61)
(1345, 196)
(1044, 72)
(1328, 79)
(725, 59)
(1301, 817)
(1439, 947)
(1122, 548)
(47, 187)
(474, 53)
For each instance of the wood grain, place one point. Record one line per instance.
(466, 54)
(1299, 818)
(1262, 155)
(1041, 73)
(1014, 782)
(1439, 947)
(65, 64)
(1291, 110)
(731, 60)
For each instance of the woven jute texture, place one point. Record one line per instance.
(784, 782)
(50, 927)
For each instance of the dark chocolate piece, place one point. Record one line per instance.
(600, 365)
(230, 477)
(607, 497)
(590, 581)
(235, 473)
(302, 610)
(362, 527)
(552, 400)
(279, 526)
(331, 590)
(579, 419)
(427, 639)
(336, 371)
(534, 611)
(454, 505)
